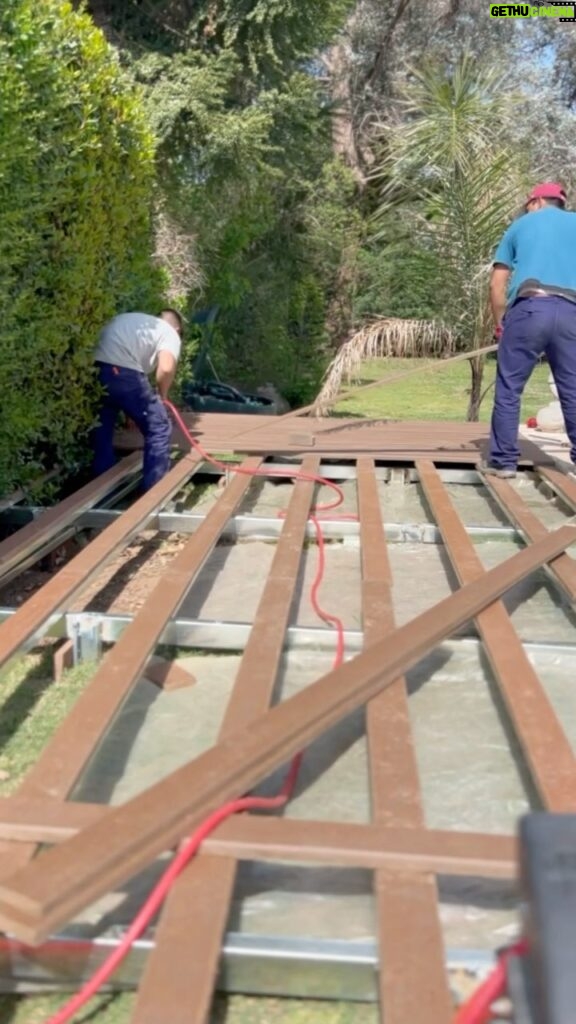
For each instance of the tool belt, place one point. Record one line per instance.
(533, 288)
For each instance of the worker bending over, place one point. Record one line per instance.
(533, 298)
(131, 347)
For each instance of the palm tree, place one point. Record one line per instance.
(447, 170)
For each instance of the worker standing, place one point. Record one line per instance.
(131, 347)
(533, 299)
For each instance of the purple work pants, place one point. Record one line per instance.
(130, 392)
(534, 326)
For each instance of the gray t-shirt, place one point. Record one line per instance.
(133, 340)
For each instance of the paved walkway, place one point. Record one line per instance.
(555, 444)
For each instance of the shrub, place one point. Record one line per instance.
(76, 180)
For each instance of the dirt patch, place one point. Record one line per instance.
(122, 586)
(22, 587)
(125, 584)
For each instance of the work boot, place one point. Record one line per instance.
(499, 471)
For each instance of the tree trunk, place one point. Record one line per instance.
(476, 396)
(337, 60)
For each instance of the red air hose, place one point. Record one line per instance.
(190, 846)
(477, 1009)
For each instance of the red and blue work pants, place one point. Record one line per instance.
(533, 326)
(130, 392)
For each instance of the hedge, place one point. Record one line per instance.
(76, 182)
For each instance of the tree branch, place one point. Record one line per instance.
(399, 13)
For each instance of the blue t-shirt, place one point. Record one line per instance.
(540, 245)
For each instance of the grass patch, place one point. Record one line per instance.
(117, 1009)
(31, 708)
(438, 395)
(106, 1009)
(241, 1010)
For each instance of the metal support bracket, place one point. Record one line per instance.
(86, 635)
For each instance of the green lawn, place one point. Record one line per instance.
(438, 394)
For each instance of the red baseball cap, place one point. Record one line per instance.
(548, 190)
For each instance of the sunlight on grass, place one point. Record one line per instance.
(441, 394)
(31, 707)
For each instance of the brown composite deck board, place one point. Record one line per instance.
(449, 453)
(57, 884)
(345, 438)
(180, 975)
(544, 744)
(77, 574)
(259, 837)
(48, 525)
(411, 851)
(561, 483)
(60, 764)
(564, 568)
(181, 970)
(413, 981)
(31, 617)
(67, 753)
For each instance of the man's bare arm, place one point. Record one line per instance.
(165, 373)
(499, 291)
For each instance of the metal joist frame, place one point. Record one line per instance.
(396, 847)
(57, 884)
(68, 752)
(28, 622)
(33, 540)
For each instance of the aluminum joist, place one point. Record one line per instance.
(98, 848)
(48, 892)
(266, 965)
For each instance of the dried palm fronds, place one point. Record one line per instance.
(390, 336)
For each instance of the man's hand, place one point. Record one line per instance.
(165, 373)
(498, 332)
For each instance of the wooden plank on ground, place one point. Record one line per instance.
(564, 568)
(258, 837)
(62, 761)
(34, 535)
(57, 884)
(544, 744)
(389, 441)
(413, 980)
(26, 623)
(31, 618)
(180, 975)
(561, 483)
